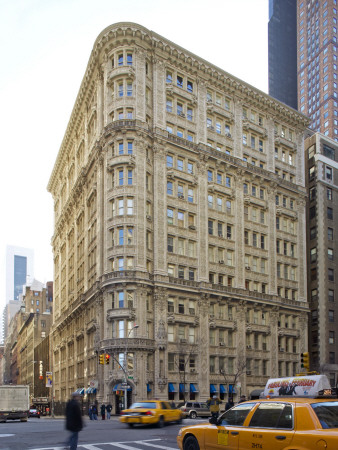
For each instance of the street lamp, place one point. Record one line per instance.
(126, 366)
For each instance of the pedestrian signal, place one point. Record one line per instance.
(101, 358)
(107, 358)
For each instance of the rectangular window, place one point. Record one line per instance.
(170, 244)
(120, 207)
(169, 188)
(130, 177)
(170, 161)
(210, 227)
(170, 216)
(130, 206)
(121, 240)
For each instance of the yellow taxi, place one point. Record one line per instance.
(151, 412)
(297, 423)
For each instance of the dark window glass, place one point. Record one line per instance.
(237, 415)
(272, 415)
(327, 413)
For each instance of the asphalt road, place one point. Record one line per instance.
(50, 434)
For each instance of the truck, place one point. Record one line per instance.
(14, 403)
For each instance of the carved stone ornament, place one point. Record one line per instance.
(162, 383)
(161, 335)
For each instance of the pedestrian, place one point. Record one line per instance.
(108, 409)
(242, 399)
(90, 413)
(172, 404)
(74, 422)
(94, 412)
(103, 411)
(229, 404)
(213, 403)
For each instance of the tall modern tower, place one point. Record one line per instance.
(283, 51)
(317, 64)
(19, 266)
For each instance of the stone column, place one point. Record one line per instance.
(272, 236)
(161, 356)
(274, 315)
(160, 206)
(238, 230)
(204, 347)
(202, 219)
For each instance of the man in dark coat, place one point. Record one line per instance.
(103, 411)
(108, 409)
(73, 420)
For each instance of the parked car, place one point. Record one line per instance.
(151, 412)
(287, 422)
(33, 412)
(194, 409)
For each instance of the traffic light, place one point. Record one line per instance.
(305, 360)
(107, 358)
(101, 359)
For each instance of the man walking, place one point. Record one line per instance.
(213, 403)
(108, 409)
(73, 420)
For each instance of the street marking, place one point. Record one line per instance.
(156, 446)
(148, 443)
(90, 447)
(6, 435)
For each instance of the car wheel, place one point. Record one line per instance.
(130, 425)
(180, 420)
(191, 443)
(193, 415)
(160, 422)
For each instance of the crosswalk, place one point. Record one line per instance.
(145, 444)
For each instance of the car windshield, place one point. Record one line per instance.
(327, 414)
(149, 405)
(236, 415)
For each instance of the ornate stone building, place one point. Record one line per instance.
(179, 239)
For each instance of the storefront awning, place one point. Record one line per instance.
(232, 389)
(80, 391)
(193, 387)
(213, 389)
(148, 387)
(223, 389)
(91, 391)
(171, 387)
(182, 389)
(119, 387)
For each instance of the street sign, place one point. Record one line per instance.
(125, 385)
(130, 378)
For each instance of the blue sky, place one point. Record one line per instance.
(45, 46)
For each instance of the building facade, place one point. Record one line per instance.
(317, 64)
(322, 181)
(282, 51)
(179, 244)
